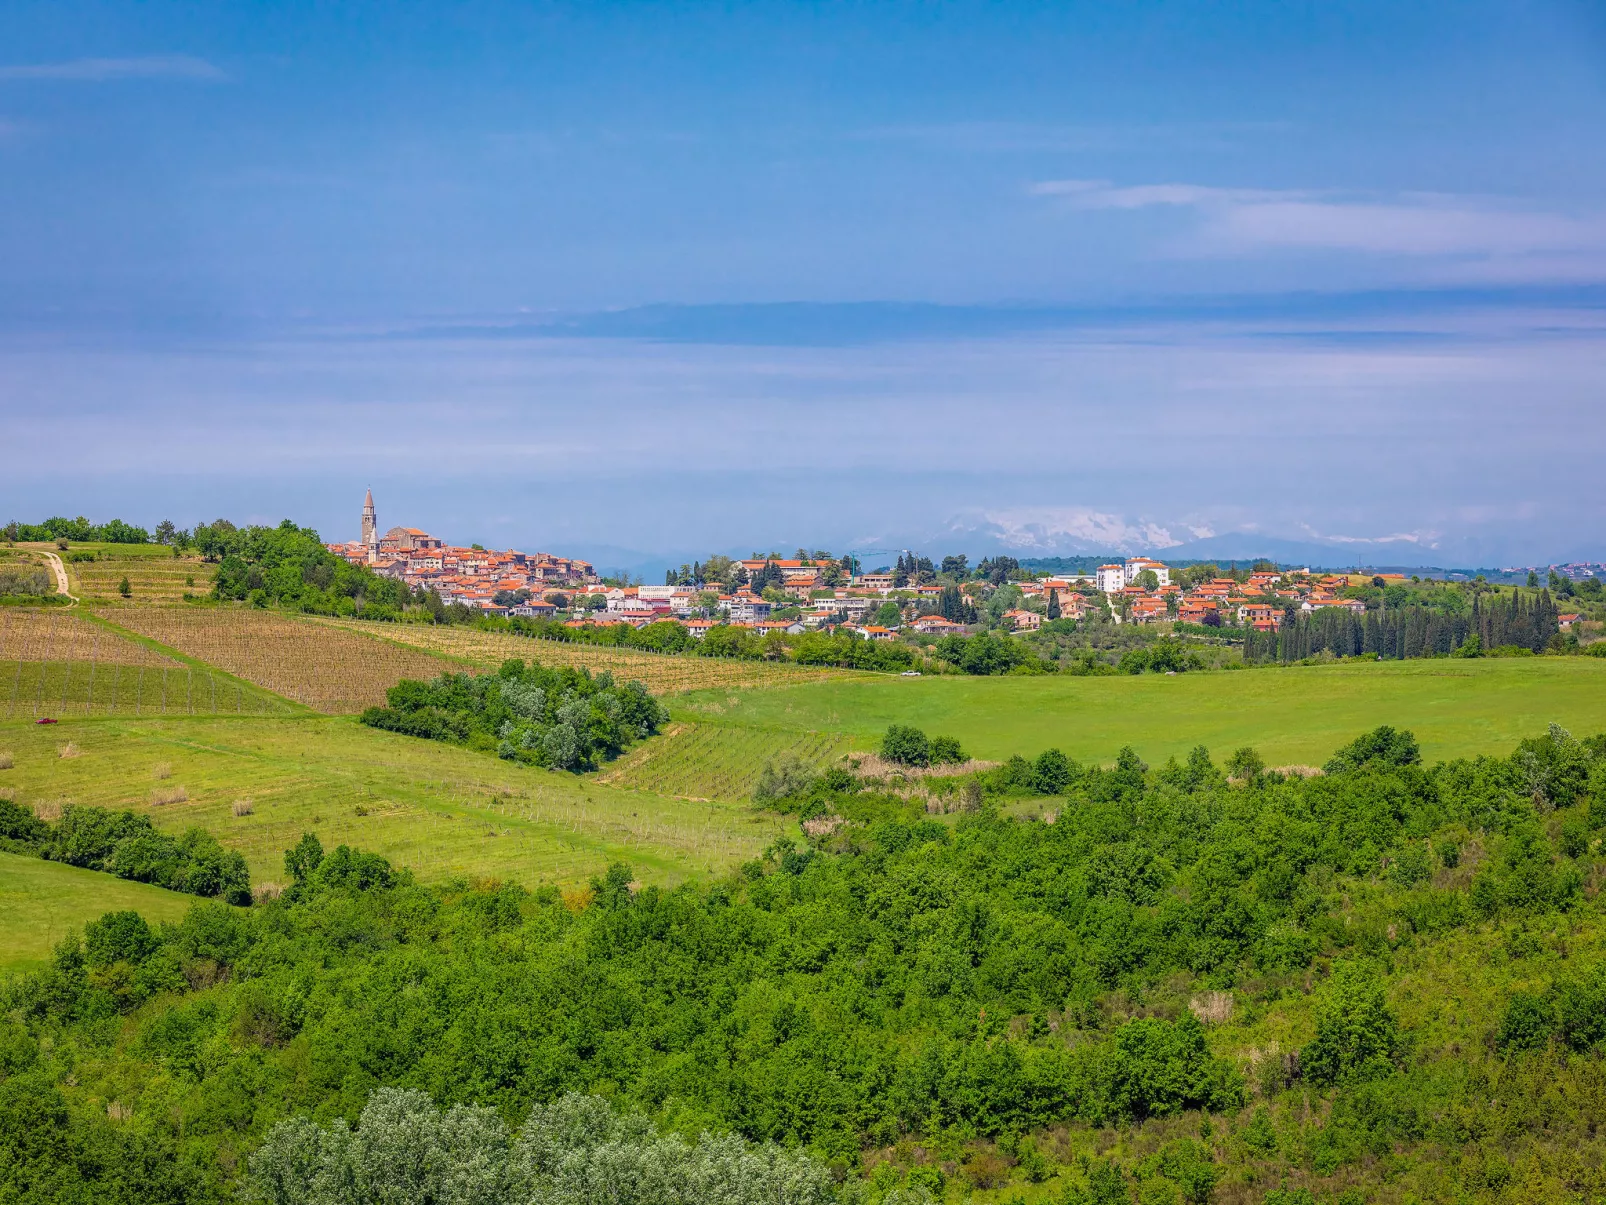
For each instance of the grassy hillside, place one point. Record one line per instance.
(1293, 716)
(717, 761)
(40, 901)
(1384, 985)
(438, 809)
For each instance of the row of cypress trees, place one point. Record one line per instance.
(1523, 621)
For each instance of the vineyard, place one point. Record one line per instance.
(154, 574)
(54, 663)
(319, 665)
(711, 761)
(444, 812)
(662, 673)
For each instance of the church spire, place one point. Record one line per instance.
(370, 527)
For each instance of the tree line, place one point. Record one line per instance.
(1494, 621)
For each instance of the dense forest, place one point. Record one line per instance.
(909, 1000)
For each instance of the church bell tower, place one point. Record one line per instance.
(370, 528)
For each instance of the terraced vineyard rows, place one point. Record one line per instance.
(154, 574)
(322, 666)
(663, 673)
(711, 761)
(55, 663)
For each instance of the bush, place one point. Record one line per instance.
(945, 751)
(1052, 773)
(1357, 1036)
(789, 777)
(905, 746)
(1383, 746)
(560, 718)
(576, 1151)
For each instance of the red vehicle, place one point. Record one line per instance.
(46, 720)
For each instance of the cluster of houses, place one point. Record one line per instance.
(471, 576)
(1131, 597)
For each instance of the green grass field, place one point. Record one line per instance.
(717, 761)
(441, 810)
(40, 901)
(1295, 715)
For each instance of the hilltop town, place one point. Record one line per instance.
(473, 576)
(817, 591)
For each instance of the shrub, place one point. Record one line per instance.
(1052, 772)
(118, 937)
(1246, 765)
(1357, 1036)
(906, 746)
(573, 1152)
(1385, 746)
(1528, 1023)
(945, 751)
(786, 778)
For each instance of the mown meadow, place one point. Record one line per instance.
(1294, 715)
(258, 783)
(42, 902)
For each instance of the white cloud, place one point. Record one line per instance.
(156, 66)
(1425, 224)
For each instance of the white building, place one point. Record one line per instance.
(1111, 578)
(1137, 564)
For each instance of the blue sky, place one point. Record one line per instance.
(650, 280)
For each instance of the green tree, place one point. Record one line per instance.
(1357, 1035)
(124, 588)
(906, 746)
(1246, 765)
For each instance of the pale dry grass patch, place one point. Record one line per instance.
(1298, 771)
(163, 796)
(6, 761)
(242, 807)
(267, 891)
(162, 770)
(871, 765)
(50, 810)
(1212, 1008)
(9, 794)
(69, 750)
